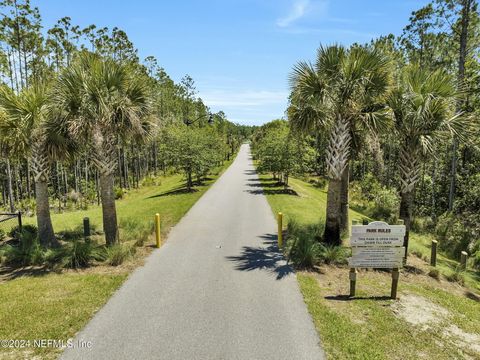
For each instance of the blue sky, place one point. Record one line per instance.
(239, 52)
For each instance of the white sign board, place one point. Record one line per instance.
(379, 228)
(376, 240)
(377, 264)
(377, 245)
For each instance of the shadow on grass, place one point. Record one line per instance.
(177, 191)
(273, 192)
(349, 298)
(11, 272)
(266, 257)
(265, 184)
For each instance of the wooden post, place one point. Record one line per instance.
(86, 228)
(405, 242)
(158, 239)
(19, 215)
(353, 281)
(463, 260)
(280, 230)
(433, 255)
(395, 277)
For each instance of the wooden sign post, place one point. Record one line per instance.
(377, 245)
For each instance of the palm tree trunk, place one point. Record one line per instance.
(10, 187)
(109, 210)
(44, 222)
(332, 224)
(337, 159)
(406, 201)
(344, 222)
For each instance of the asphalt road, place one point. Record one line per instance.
(218, 288)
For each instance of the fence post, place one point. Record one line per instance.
(463, 260)
(158, 239)
(86, 228)
(433, 255)
(20, 225)
(280, 230)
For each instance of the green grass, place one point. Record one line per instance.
(369, 329)
(141, 205)
(420, 245)
(56, 306)
(307, 205)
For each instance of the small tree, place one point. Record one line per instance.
(423, 112)
(101, 100)
(22, 127)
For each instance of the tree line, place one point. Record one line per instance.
(82, 118)
(400, 112)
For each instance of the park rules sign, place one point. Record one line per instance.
(377, 245)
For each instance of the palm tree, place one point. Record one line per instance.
(22, 121)
(103, 102)
(340, 94)
(422, 103)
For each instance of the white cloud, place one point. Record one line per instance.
(246, 106)
(297, 11)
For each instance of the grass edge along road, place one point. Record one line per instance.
(433, 318)
(56, 306)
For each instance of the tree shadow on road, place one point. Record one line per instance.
(266, 257)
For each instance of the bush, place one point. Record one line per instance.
(457, 234)
(2, 234)
(119, 192)
(376, 201)
(117, 254)
(457, 276)
(28, 251)
(27, 230)
(434, 273)
(334, 255)
(77, 254)
(134, 230)
(422, 224)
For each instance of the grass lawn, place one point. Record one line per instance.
(41, 305)
(433, 319)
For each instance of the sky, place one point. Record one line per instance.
(239, 52)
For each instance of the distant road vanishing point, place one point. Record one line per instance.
(217, 289)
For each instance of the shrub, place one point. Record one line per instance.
(434, 273)
(119, 192)
(457, 234)
(27, 252)
(422, 224)
(117, 254)
(2, 234)
(376, 201)
(334, 255)
(457, 276)
(74, 255)
(27, 230)
(132, 230)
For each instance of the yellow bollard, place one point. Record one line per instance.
(157, 230)
(280, 230)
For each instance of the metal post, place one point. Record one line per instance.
(157, 230)
(280, 230)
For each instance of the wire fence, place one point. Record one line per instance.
(8, 221)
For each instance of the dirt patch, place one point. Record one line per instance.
(419, 311)
(462, 338)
